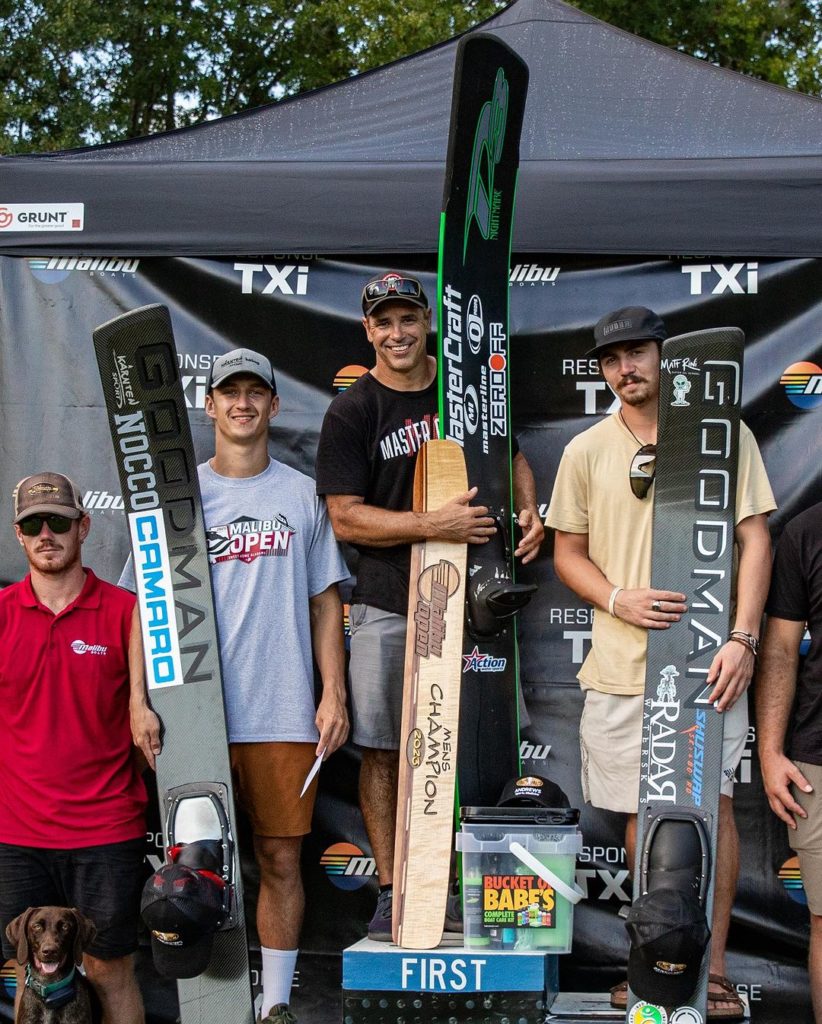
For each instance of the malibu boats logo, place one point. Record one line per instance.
(54, 269)
(81, 647)
(42, 216)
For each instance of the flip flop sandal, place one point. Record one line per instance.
(728, 995)
(619, 996)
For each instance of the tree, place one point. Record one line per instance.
(779, 41)
(75, 72)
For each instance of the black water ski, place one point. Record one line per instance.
(694, 518)
(490, 86)
(158, 475)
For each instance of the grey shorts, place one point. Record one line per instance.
(610, 740)
(807, 839)
(377, 666)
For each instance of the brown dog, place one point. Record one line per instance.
(50, 943)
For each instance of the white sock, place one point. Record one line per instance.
(278, 975)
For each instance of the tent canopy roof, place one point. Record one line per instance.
(627, 147)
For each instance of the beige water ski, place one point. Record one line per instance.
(430, 712)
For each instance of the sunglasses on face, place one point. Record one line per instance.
(643, 468)
(32, 526)
(391, 286)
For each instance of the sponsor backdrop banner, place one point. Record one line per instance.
(304, 313)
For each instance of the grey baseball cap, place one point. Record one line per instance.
(241, 360)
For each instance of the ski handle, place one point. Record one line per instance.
(571, 893)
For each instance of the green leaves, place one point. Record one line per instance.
(778, 41)
(77, 72)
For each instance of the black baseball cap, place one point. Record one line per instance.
(669, 932)
(182, 908)
(532, 791)
(392, 287)
(631, 323)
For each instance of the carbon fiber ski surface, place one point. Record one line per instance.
(693, 538)
(149, 426)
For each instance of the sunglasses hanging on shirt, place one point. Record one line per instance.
(643, 467)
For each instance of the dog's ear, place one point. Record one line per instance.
(17, 932)
(83, 934)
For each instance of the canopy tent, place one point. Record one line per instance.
(628, 147)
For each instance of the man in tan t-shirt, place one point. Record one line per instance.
(602, 551)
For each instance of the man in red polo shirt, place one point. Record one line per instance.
(72, 803)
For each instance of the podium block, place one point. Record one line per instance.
(383, 984)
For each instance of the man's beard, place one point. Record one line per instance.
(641, 396)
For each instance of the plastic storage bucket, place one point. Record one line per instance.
(519, 890)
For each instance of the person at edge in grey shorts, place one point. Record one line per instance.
(365, 469)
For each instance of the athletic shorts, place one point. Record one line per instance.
(807, 839)
(377, 667)
(103, 882)
(610, 741)
(268, 778)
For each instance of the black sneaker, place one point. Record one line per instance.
(453, 913)
(379, 928)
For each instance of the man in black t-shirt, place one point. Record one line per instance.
(365, 469)
(789, 704)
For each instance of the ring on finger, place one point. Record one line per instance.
(656, 606)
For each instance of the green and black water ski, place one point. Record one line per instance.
(490, 87)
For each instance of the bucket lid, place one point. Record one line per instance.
(557, 816)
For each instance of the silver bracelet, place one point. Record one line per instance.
(612, 601)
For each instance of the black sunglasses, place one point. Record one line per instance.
(643, 468)
(32, 526)
(393, 285)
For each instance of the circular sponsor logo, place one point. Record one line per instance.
(471, 407)
(647, 1013)
(415, 748)
(347, 375)
(6, 217)
(686, 1015)
(346, 866)
(39, 270)
(530, 780)
(8, 979)
(443, 572)
(497, 362)
(803, 384)
(791, 878)
(474, 324)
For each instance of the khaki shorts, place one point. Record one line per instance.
(268, 778)
(610, 740)
(807, 839)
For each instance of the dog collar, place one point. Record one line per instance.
(58, 993)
